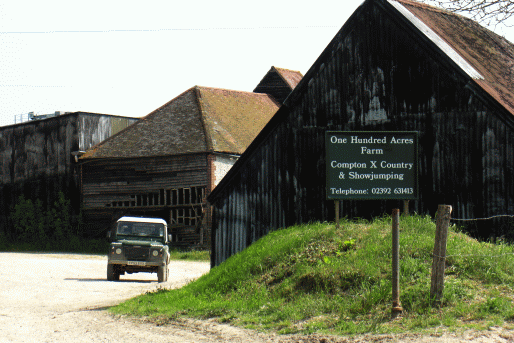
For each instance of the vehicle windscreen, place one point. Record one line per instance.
(146, 231)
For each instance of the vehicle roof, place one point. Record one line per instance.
(142, 220)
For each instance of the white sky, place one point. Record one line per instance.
(130, 57)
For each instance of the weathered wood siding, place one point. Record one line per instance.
(375, 75)
(170, 187)
(36, 157)
(275, 86)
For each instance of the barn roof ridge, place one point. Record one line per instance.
(208, 139)
(207, 124)
(424, 6)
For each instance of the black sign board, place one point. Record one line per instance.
(372, 165)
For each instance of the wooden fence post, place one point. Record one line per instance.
(337, 214)
(439, 259)
(406, 207)
(397, 309)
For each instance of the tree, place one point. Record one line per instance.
(489, 12)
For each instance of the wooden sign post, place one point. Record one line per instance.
(379, 165)
(397, 308)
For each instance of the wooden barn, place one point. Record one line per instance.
(394, 66)
(38, 156)
(166, 164)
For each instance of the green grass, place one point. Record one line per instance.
(314, 278)
(190, 255)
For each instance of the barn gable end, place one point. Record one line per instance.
(278, 82)
(394, 66)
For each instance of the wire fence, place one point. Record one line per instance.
(488, 218)
(500, 227)
(493, 228)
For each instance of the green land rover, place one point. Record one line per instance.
(138, 245)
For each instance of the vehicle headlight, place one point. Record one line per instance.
(118, 251)
(155, 253)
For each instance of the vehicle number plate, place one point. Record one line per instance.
(136, 263)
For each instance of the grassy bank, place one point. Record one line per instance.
(314, 278)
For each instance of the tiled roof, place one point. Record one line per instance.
(233, 119)
(490, 55)
(199, 120)
(292, 77)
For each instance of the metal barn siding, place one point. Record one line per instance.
(379, 73)
(94, 128)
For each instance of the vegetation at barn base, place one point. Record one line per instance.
(48, 229)
(55, 229)
(314, 278)
(190, 255)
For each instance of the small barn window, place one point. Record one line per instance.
(180, 197)
(187, 196)
(174, 199)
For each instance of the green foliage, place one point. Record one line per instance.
(54, 228)
(314, 278)
(28, 220)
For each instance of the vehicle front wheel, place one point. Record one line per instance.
(162, 273)
(112, 273)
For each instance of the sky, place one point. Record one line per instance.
(128, 58)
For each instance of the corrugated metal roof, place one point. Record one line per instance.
(199, 120)
(488, 54)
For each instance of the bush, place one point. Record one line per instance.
(52, 229)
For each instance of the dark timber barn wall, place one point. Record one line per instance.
(169, 187)
(379, 73)
(37, 161)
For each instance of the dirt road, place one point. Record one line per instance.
(62, 298)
